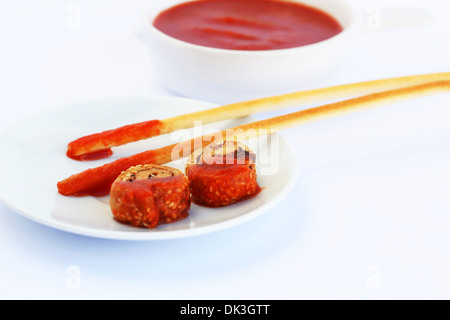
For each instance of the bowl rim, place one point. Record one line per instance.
(148, 26)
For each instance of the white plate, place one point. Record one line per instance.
(33, 161)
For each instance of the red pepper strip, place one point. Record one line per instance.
(97, 181)
(98, 145)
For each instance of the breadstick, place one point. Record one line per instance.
(99, 145)
(98, 180)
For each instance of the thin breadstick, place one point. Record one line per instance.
(99, 144)
(98, 180)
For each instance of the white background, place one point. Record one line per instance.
(368, 219)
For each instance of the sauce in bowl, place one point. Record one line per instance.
(247, 24)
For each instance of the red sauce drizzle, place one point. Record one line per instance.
(101, 190)
(97, 155)
(247, 24)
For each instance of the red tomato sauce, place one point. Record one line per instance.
(247, 24)
(91, 156)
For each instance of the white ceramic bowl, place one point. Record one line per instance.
(224, 76)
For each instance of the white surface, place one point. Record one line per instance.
(40, 142)
(368, 217)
